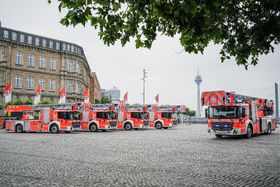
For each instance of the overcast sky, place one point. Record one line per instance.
(170, 74)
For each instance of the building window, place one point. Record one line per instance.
(72, 48)
(79, 50)
(70, 86)
(44, 43)
(42, 83)
(30, 83)
(19, 58)
(14, 36)
(37, 41)
(21, 38)
(29, 39)
(17, 82)
(0, 54)
(31, 60)
(70, 67)
(52, 85)
(6, 34)
(57, 46)
(78, 68)
(51, 44)
(64, 47)
(68, 47)
(53, 64)
(77, 87)
(42, 62)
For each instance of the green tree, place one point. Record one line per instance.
(105, 100)
(96, 101)
(28, 102)
(192, 113)
(46, 102)
(245, 29)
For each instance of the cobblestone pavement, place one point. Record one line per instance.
(183, 156)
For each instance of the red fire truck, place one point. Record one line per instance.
(98, 117)
(132, 117)
(2, 119)
(42, 118)
(162, 117)
(233, 114)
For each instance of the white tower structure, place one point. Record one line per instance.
(198, 80)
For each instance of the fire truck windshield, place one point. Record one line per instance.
(166, 115)
(224, 112)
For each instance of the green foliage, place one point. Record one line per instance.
(28, 102)
(96, 101)
(190, 112)
(46, 102)
(105, 100)
(245, 29)
(2, 106)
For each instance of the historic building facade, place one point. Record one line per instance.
(29, 60)
(95, 88)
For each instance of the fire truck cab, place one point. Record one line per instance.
(163, 117)
(99, 117)
(132, 118)
(42, 118)
(231, 114)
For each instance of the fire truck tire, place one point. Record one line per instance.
(54, 128)
(93, 127)
(268, 129)
(249, 131)
(19, 128)
(158, 125)
(127, 126)
(219, 135)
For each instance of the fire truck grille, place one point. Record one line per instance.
(222, 126)
(76, 125)
(113, 123)
(146, 123)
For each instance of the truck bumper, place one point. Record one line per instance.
(233, 132)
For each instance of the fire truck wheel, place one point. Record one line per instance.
(249, 132)
(268, 129)
(158, 125)
(19, 128)
(93, 127)
(54, 128)
(219, 136)
(127, 126)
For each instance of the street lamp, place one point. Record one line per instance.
(144, 81)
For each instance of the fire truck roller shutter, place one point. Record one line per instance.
(151, 116)
(46, 115)
(26, 125)
(85, 116)
(120, 116)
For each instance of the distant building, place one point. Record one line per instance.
(28, 60)
(114, 94)
(95, 88)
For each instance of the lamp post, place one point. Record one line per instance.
(144, 81)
